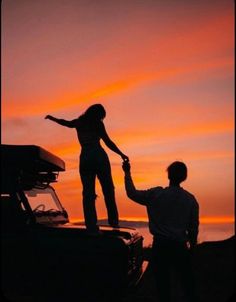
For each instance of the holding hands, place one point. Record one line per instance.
(126, 166)
(124, 157)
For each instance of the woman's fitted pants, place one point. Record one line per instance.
(95, 162)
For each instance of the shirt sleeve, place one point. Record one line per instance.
(143, 197)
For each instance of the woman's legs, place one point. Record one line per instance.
(89, 197)
(88, 175)
(105, 178)
(109, 196)
(95, 162)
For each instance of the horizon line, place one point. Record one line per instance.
(203, 219)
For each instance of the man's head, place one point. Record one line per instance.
(177, 172)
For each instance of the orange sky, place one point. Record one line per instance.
(164, 70)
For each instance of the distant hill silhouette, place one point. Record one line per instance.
(122, 223)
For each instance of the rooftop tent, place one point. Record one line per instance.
(25, 156)
(28, 166)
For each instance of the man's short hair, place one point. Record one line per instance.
(177, 172)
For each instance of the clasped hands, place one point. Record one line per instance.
(126, 165)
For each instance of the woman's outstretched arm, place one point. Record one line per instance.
(110, 144)
(62, 122)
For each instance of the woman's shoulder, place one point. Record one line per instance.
(86, 123)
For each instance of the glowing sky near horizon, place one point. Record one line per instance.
(164, 70)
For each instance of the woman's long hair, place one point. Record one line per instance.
(96, 111)
(93, 115)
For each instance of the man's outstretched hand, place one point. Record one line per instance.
(126, 166)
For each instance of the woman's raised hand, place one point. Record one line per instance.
(49, 117)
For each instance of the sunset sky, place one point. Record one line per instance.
(163, 69)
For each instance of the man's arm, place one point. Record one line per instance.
(62, 122)
(193, 227)
(139, 196)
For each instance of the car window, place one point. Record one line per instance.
(43, 200)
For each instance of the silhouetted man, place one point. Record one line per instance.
(173, 221)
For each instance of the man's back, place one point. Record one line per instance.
(172, 211)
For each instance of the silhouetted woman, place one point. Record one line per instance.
(94, 162)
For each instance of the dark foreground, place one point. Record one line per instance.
(214, 267)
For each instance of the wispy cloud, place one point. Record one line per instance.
(70, 101)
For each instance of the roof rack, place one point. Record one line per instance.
(28, 166)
